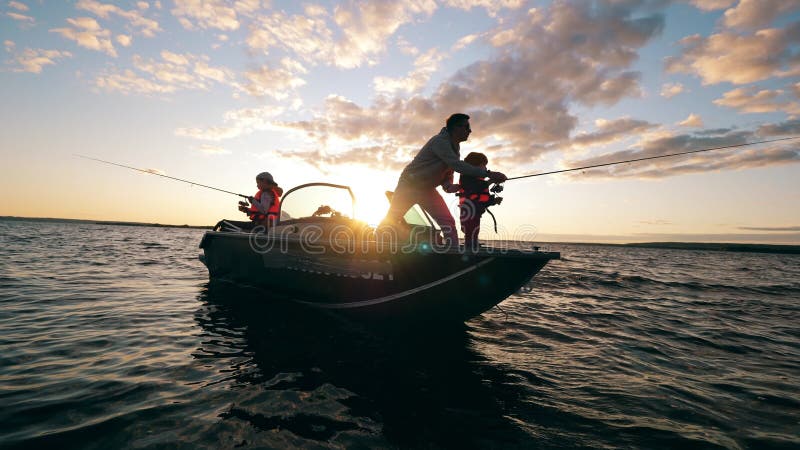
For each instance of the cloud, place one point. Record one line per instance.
(775, 229)
(693, 120)
(209, 149)
(465, 41)
(609, 131)
(21, 17)
(217, 14)
(362, 31)
(424, 67)
(669, 90)
(655, 222)
(737, 58)
(34, 60)
(751, 100)
(306, 36)
(237, 123)
(128, 81)
(491, 6)
(543, 63)
(406, 47)
(327, 161)
(753, 14)
(143, 25)
(366, 26)
(9, 45)
(124, 40)
(728, 159)
(89, 34)
(789, 127)
(18, 6)
(209, 133)
(711, 5)
(275, 82)
(172, 73)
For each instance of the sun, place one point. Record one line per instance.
(371, 207)
(371, 201)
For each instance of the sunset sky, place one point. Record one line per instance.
(217, 91)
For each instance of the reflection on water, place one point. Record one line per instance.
(111, 337)
(327, 379)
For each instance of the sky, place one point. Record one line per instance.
(216, 91)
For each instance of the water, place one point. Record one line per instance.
(111, 337)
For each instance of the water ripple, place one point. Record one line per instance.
(111, 337)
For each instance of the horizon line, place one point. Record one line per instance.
(549, 238)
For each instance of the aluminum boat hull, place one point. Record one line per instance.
(370, 281)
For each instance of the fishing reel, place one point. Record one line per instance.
(496, 199)
(244, 207)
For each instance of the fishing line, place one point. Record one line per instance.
(653, 157)
(151, 172)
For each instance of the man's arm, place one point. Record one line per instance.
(448, 185)
(444, 151)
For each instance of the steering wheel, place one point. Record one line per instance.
(325, 209)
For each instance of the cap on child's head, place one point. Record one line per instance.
(266, 176)
(476, 159)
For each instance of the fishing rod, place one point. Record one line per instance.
(152, 172)
(653, 157)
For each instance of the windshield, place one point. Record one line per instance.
(416, 216)
(323, 199)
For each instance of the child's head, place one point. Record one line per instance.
(477, 159)
(264, 180)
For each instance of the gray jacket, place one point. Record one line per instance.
(431, 167)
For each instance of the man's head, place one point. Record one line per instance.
(458, 127)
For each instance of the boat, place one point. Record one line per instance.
(318, 255)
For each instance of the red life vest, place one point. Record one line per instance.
(481, 198)
(272, 212)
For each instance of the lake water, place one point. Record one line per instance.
(112, 337)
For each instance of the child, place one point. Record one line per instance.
(474, 199)
(266, 204)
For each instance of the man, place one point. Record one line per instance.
(433, 166)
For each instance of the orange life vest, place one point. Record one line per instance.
(272, 212)
(482, 197)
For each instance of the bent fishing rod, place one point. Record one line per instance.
(152, 172)
(653, 157)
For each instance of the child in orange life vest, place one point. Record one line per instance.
(265, 205)
(474, 199)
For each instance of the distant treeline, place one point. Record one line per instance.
(101, 222)
(751, 248)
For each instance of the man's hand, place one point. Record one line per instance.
(497, 177)
(451, 189)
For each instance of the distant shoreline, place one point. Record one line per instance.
(715, 246)
(698, 246)
(103, 222)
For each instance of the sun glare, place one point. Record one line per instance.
(371, 206)
(371, 201)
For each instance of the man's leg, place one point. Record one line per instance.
(403, 198)
(434, 204)
(393, 228)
